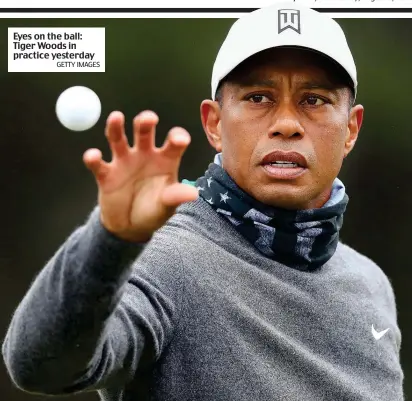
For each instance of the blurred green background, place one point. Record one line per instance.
(165, 65)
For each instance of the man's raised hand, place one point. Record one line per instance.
(138, 190)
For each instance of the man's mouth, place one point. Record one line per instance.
(284, 165)
(282, 159)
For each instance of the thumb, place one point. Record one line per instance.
(92, 158)
(176, 194)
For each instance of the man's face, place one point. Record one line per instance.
(289, 101)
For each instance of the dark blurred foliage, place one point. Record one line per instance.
(165, 65)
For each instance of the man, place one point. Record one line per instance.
(234, 287)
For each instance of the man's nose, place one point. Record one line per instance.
(286, 123)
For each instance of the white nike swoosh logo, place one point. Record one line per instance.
(380, 334)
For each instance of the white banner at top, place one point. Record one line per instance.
(200, 5)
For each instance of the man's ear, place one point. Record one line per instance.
(354, 126)
(210, 116)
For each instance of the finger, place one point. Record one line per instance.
(144, 130)
(115, 134)
(176, 194)
(175, 145)
(92, 158)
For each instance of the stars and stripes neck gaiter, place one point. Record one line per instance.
(302, 239)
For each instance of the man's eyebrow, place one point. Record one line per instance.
(270, 83)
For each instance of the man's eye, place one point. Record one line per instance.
(258, 99)
(314, 101)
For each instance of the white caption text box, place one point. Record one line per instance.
(56, 49)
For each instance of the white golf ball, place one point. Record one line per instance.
(78, 108)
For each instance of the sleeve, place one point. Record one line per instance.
(389, 296)
(94, 315)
